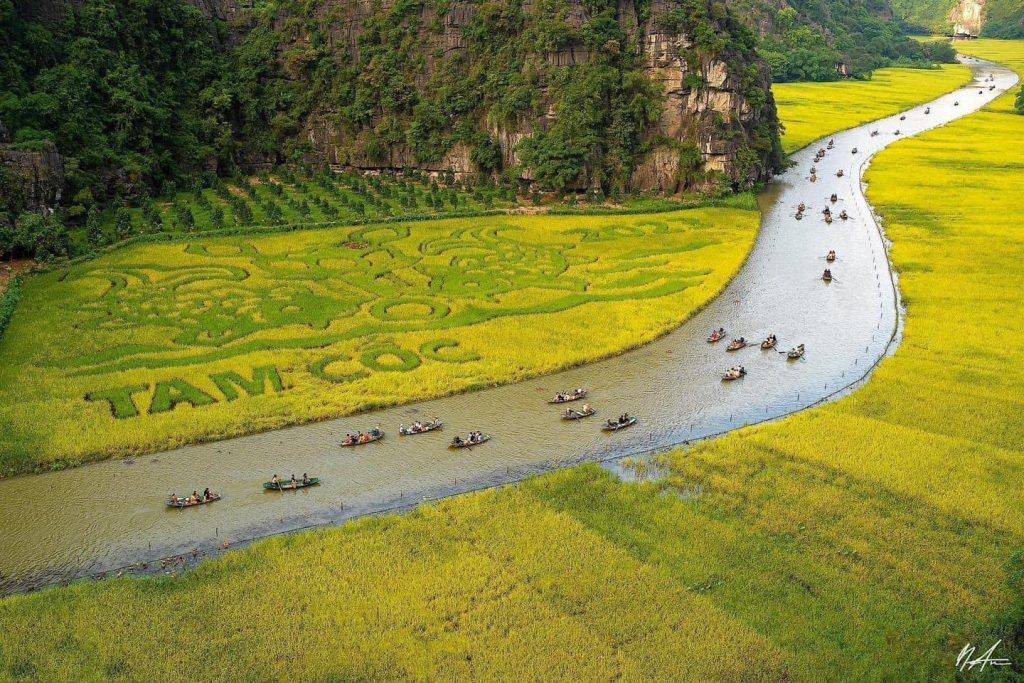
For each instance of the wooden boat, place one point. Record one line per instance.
(831, 256)
(814, 169)
(615, 425)
(903, 117)
(799, 216)
(736, 344)
(834, 198)
(801, 208)
(716, 336)
(844, 215)
(814, 178)
(568, 397)
(897, 132)
(734, 374)
(794, 354)
(839, 173)
(289, 485)
(769, 343)
(423, 429)
(183, 502)
(874, 133)
(828, 218)
(571, 414)
(928, 110)
(826, 276)
(853, 151)
(370, 438)
(466, 443)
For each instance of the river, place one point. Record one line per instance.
(102, 517)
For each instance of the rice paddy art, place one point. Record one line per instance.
(163, 344)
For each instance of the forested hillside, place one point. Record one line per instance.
(107, 103)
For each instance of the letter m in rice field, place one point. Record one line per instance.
(230, 382)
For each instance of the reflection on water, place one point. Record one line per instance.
(110, 514)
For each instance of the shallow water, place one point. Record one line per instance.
(57, 525)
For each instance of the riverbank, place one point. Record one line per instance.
(812, 110)
(755, 561)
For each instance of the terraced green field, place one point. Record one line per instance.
(166, 343)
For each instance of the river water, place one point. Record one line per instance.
(101, 517)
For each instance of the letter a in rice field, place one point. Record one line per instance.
(228, 381)
(122, 405)
(172, 392)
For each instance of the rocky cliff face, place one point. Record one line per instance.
(30, 179)
(968, 17)
(717, 103)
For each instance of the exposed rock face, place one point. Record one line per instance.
(708, 104)
(968, 17)
(31, 180)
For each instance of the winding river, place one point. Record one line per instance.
(102, 517)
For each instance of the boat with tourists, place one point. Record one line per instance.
(573, 414)
(293, 484)
(735, 373)
(737, 344)
(795, 353)
(569, 396)
(623, 421)
(207, 496)
(418, 427)
(769, 342)
(361, 439)
(717, 335)
(472, 439)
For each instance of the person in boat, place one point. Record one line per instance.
(586, 408)
(294, 480)
(457, 441)
(843, 214)
(376, 433)
(194, 498)
(174, 499)
(826, 211)
(827, 274)
(206, 493)
(305, 479)
(275, 481)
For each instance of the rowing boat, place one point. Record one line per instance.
(423, 429)
(466, 443)
(616, 426)
(577, 414)
(289, 485)
(568, 398)
(182, 503)
(373, 437)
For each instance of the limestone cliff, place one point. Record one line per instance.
(968, 17)
(716, 98)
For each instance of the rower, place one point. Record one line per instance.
(305, 478)
(274, 480)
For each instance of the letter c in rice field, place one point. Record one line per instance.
(169, 394)
(230, 382)
(431, 350)
(122, 405)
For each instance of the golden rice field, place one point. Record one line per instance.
(870, 539)
(812, 110)
(161, 344)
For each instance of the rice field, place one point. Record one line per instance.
(165, 343)
(288, 197)
(809, 111)
(870, 539)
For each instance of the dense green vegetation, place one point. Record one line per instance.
(808, 39)
(118, 86)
